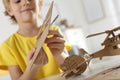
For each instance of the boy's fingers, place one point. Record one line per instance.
(55, 39)
(31, 53)
(55, 33)
(56, 46)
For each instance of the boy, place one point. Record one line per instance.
(13, 51)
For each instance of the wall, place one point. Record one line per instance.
(6, 28)
(74, 11)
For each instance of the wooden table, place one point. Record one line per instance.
(94, 67)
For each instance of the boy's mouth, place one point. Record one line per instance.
(26, 10)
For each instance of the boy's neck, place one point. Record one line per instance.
(28, 29)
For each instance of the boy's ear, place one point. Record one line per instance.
(9, 11)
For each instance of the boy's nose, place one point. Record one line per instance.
(26, 2)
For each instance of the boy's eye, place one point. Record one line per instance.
(17, 1)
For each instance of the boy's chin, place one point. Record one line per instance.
(27, 19)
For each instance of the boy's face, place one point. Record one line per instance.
(23, 10)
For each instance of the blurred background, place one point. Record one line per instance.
(78, 19)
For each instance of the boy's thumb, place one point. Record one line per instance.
(30, 54)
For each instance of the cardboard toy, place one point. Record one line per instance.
(74, 64)
(43, 33)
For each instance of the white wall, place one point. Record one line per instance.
(6, 28)
(108, 22)
(73, 10)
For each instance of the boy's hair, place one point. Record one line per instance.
(12, 18)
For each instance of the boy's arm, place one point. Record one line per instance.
(17, 74)
(30, 73)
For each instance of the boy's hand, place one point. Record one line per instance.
(56, 43)
(41, 59)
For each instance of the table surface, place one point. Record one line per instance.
(94, 67)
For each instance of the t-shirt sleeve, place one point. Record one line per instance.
(6, 57)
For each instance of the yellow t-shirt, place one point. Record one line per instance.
(15, 49)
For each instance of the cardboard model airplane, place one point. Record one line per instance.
(111, 44)
(43, 32)
(74, 65)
